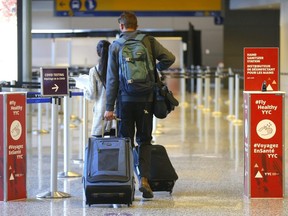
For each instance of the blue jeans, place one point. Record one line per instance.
(137, 117)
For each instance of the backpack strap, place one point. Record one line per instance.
(140, 37)
(121, 41)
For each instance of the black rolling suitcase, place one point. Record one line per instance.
(108, 176)
(162, 173)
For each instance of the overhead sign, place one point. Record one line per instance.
(54, 81)
(150, 7)
(264, 144)
(261, 65)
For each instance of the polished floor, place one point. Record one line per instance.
(205, 147)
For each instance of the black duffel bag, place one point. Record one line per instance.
(164, 101)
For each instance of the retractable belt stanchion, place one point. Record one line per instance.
(231, 93)
(237, 92)
(53, 193)
(217, 112)
(83, 137)
(39, 121)
(39, 130)
(192, 80)
(67, 150)
(199, 88)
(207, 91)
(85, 127)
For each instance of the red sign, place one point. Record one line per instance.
(261, 65)
(264, 144)
(16, 146)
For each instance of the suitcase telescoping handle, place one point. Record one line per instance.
(116, 127)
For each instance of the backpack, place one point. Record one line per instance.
(136, 68)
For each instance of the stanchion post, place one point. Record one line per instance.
(207, 90)
(199, 87)
(53, 193)
(85, 126)
(192, 79)
(217, 93)
(231, 94)
(237, 92)
(40, 121)
(67, 150)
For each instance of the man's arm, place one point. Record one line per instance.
(165, 57)
(112, 82)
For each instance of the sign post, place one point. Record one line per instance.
(54, 83)
(12, 146)
(264, 149)
(264, 144)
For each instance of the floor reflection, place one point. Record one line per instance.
(205, 148)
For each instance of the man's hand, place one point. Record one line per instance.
(109, 115)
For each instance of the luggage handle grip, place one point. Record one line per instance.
(116, 129)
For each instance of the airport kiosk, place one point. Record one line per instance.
(12, 146)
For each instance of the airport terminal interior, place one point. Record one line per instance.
(206, 149)
(204, 136)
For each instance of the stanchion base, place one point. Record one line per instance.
(157, 132)
(73, 117)
(230, 117)
(237, 122)
(217, 114)
(184, 104)
(53, 195)
(206, 110)
(200, 107)
(160, 125)
(72, 126)
(68, 175)
(42, 131)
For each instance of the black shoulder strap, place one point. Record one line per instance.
(101, 78)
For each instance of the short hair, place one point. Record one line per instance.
(129, 19)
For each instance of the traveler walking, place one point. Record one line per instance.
(134, 105)
(96, 92)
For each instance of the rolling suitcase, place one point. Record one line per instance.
(162, 173)
(108, 176)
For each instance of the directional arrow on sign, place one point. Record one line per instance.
(56, 87)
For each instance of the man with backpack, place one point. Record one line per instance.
(130, 80)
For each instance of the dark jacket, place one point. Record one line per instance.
(164, 57)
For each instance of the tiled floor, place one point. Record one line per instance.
(206, 150)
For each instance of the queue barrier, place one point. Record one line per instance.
(35, 97)
(203, 76)
(200, 74)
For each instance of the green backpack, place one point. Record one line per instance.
(136, 69)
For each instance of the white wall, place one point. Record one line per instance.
(82, 51)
